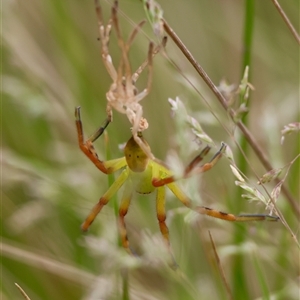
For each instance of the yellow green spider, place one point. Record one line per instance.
(143, 175)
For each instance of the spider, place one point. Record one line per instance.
(123, 94)
(143, 175)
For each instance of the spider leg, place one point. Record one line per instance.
(125, 202)
(212, 162)
(146, 91)
(104, 200)
(109, 112)
(218, 214)
(88, 149)
(184, 199)
(233, 218)
(161, 217)
(161, 213)
(104, 36)
(192, 167)
(125, 48)
(141, 68)
(134, 33)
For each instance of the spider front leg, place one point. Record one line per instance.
(88, 149)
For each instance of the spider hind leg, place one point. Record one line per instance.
(203, 210)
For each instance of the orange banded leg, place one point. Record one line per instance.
(161, 213)
(93, 214)
(184, 199)
(192, 167)
(233, 218)
(88, 149)
(125, 202)
(161, 216)
(104, 200)
(218, 214)
(87, 146)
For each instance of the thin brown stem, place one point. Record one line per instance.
(287, 21)
(221, 270)
(248, 135)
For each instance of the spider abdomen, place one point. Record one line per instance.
(142, 181)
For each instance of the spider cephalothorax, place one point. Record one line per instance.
(136, 159)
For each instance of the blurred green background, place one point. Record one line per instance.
(51, 63)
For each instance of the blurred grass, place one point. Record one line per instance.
(51, 63)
